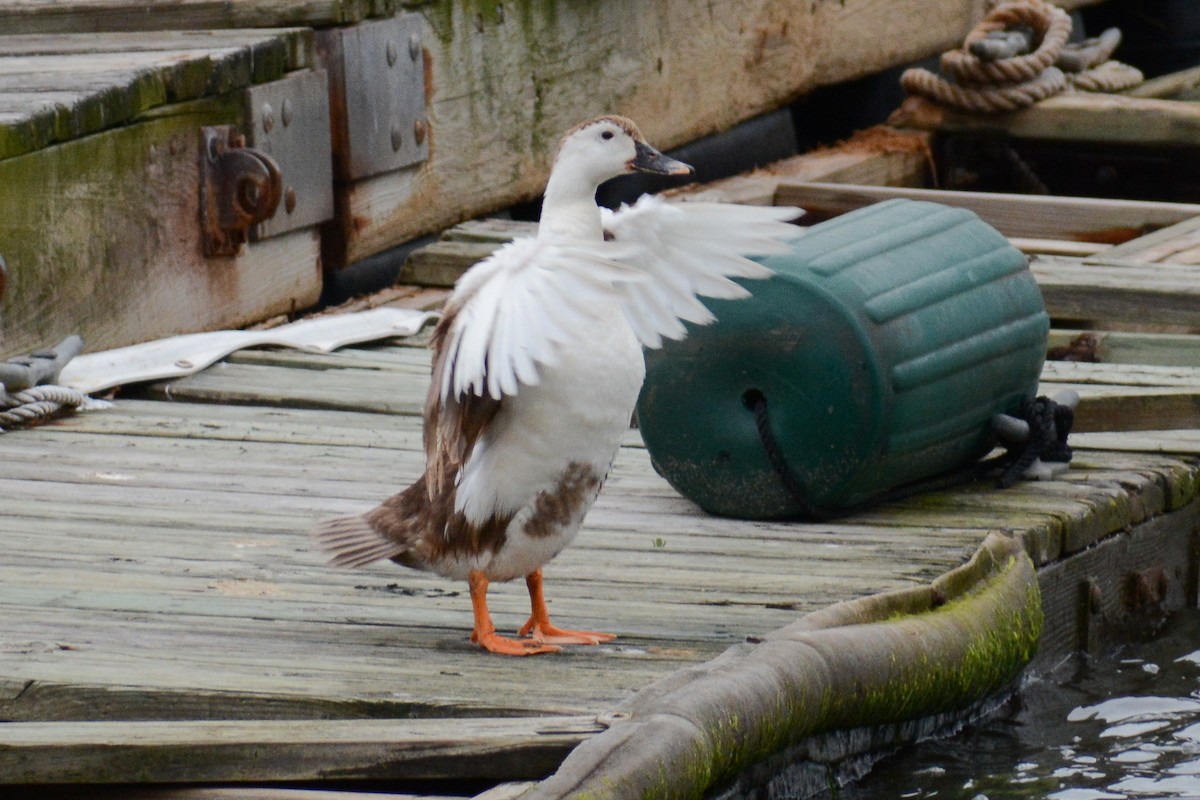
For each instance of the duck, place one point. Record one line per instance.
(537, 366)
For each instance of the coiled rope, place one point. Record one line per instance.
(28, 392)
(993, 72)
(37, 403)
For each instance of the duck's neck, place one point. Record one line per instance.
(569, 207)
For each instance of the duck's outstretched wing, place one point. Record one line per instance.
(686, 250)
(511, 312)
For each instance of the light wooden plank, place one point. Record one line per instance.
(1160, 245)
(1172, 86)
(1119, 347)
(1119, 295)
(1072, 116)
(357, 390)
(1184, 442)
(1037, 216)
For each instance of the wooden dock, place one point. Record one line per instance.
(167, 629)
(166, 620)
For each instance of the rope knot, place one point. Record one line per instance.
(1037, 440)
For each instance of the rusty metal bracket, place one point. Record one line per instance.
(239, 188)
(377, 95)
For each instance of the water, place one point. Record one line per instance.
(1122, 727)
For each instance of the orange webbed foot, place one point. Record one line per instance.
(541, 630)
(485, 634)
(546, 633)
(495, 643)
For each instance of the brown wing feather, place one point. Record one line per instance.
(419, 526)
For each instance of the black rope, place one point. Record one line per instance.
(756, 401)
(1049, 425)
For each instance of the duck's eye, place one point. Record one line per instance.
(606, 135)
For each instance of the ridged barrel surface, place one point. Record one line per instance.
(880, 350)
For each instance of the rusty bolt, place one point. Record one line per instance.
(392, 53)
(397, 137)
(414, 45)
(285, 112)
(268, 118)
(1148, 588)
(289, 200)
(420, 128)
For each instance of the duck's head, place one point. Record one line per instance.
(605, 147)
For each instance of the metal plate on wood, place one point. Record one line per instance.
(377, 95)
(289, 120)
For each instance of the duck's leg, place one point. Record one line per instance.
(539, 628)
(485, 632)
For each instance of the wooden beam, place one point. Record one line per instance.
(1036, 216)
(285, 750)
(90, 16)
(57, 88)
(504, 86)
(102, 238)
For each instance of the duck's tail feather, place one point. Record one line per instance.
(354, 542)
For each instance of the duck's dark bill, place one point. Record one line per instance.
(650, 160)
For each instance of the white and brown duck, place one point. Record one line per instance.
(537, 366)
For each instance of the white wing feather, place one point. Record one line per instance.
(516, 310)
(690, 250)
(518, 307)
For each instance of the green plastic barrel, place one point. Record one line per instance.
(875, 357)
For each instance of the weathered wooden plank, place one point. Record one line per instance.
(90, 16)
(1181, 85)
(115, 752)
(1186, 442)
(76, 85)
(1161, 245)
(101, 238)
(1076, 117)
(1119, 347)
(270, 793)
(299, 42)
(1071, 218)
(1112, 295)
(357, 390)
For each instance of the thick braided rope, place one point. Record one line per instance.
(1111, 76)
(36, 402)
(984, 99)
(1051, 28)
